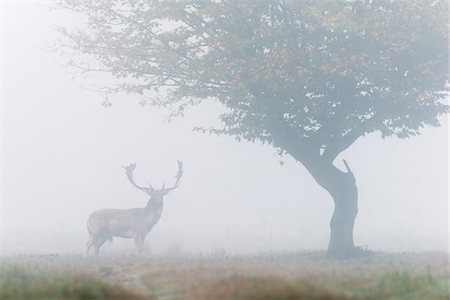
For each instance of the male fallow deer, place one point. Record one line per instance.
(134, 223)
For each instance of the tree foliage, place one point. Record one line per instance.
(307, 76)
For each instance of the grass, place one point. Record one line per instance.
(397, 285)
(274, 277)
(264, 288)
(17, 282)
(403, 285)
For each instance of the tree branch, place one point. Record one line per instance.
(346, 166)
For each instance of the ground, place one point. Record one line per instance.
(220, 276)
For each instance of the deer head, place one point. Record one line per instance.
(156, 194)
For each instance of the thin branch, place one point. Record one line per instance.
(348, 168)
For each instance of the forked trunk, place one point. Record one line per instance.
(342, 188)
(345, 197)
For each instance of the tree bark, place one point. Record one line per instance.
(342, 188)
(345, 196)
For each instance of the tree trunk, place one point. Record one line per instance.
(342, 188)
(345, 196)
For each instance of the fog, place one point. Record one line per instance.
(62, 153)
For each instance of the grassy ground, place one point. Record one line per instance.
(281, 276)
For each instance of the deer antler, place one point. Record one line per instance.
(129, 171)
(178, 177)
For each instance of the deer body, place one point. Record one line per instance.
(125, 223)
(136, 223)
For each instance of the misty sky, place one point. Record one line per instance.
(62, 152)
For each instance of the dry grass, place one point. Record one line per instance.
(263, 288)
(292, 276)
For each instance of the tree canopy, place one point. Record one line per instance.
(321, 72)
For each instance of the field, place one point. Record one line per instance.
(219, 276)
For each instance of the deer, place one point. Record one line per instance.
(133, 223)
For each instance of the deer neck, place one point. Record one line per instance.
(154, 207)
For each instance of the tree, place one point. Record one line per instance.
(308, 77)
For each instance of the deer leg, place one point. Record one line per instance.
(139, 242)
(98, 243)
(93, 237)
(88, 246)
